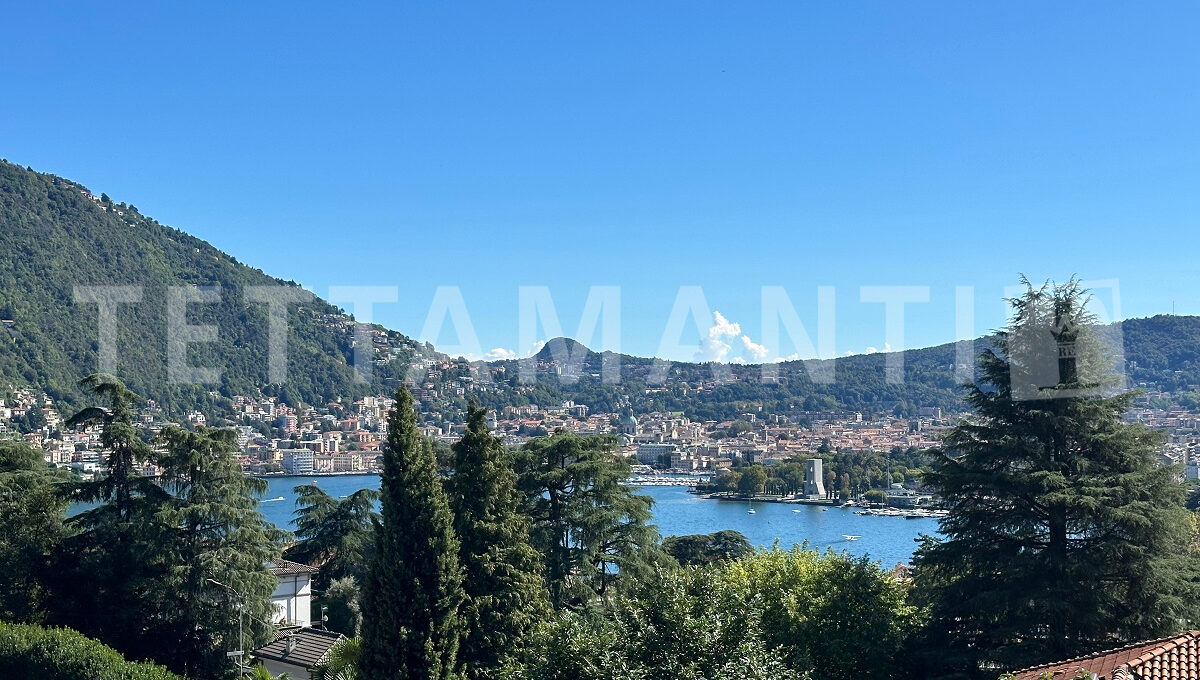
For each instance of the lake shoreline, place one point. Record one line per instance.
(725, 496)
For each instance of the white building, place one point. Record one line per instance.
(648, 454)
(298, 461)
(814, 479)
(293, 594)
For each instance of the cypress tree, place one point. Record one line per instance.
(505, 591)
(413, 591)
(1065, 533)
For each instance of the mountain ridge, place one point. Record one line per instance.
(56, 234)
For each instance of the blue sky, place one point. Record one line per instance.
(643, 145)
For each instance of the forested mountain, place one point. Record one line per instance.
(1161, 354)
(55, 235)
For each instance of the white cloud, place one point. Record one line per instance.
(537, 347)
(722, 326)
(499, 354)
(713, 347)
(887, 347)
(756, 351)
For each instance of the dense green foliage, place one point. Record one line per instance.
(590, 527)
(32, 652)
(702, 549)
(336, 536)
(31, 517)
(342, 604)
(1065, 533)
(839, 615)
(53, 237)
(773, 614)
(165, 568)
(506, 595)
(413, 590)
(342, 660)
(216, 548)
(680, 629)
(105, 562)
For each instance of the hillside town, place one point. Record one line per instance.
(276, 438)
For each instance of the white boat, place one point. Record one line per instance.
(851, 537)
(797, 510)
(751, 511)
(271, 500)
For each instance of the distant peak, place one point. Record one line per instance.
(559, 345)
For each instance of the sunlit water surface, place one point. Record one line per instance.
(676, 512)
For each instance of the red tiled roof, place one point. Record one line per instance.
(1169, 658)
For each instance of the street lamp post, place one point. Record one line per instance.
(240, 654)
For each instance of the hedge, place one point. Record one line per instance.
(36, 653)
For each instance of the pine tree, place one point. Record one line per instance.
(335, 535)
(101, 569)
(591, 528)
(122, 485)
(31, 521)
(1065, 534)
(412, 593)
(216, 553)
(506, 596)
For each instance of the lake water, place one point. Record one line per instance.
(676, 512)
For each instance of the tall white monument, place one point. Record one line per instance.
(814, 479)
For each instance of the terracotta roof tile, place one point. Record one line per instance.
(1170, 658)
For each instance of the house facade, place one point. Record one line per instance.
(293, 593)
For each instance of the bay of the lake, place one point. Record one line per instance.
(676, 512)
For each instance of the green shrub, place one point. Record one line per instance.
(36, 653)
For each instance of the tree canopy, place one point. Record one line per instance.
(31, 517)
(506, 594)
(337, 536)
(703, 549)
(412, 594)
(1065, 534)
(591, 528)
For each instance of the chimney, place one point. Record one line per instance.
(291, 644)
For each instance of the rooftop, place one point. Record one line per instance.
(1169, 658)
(282, 567)
(310, 645)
